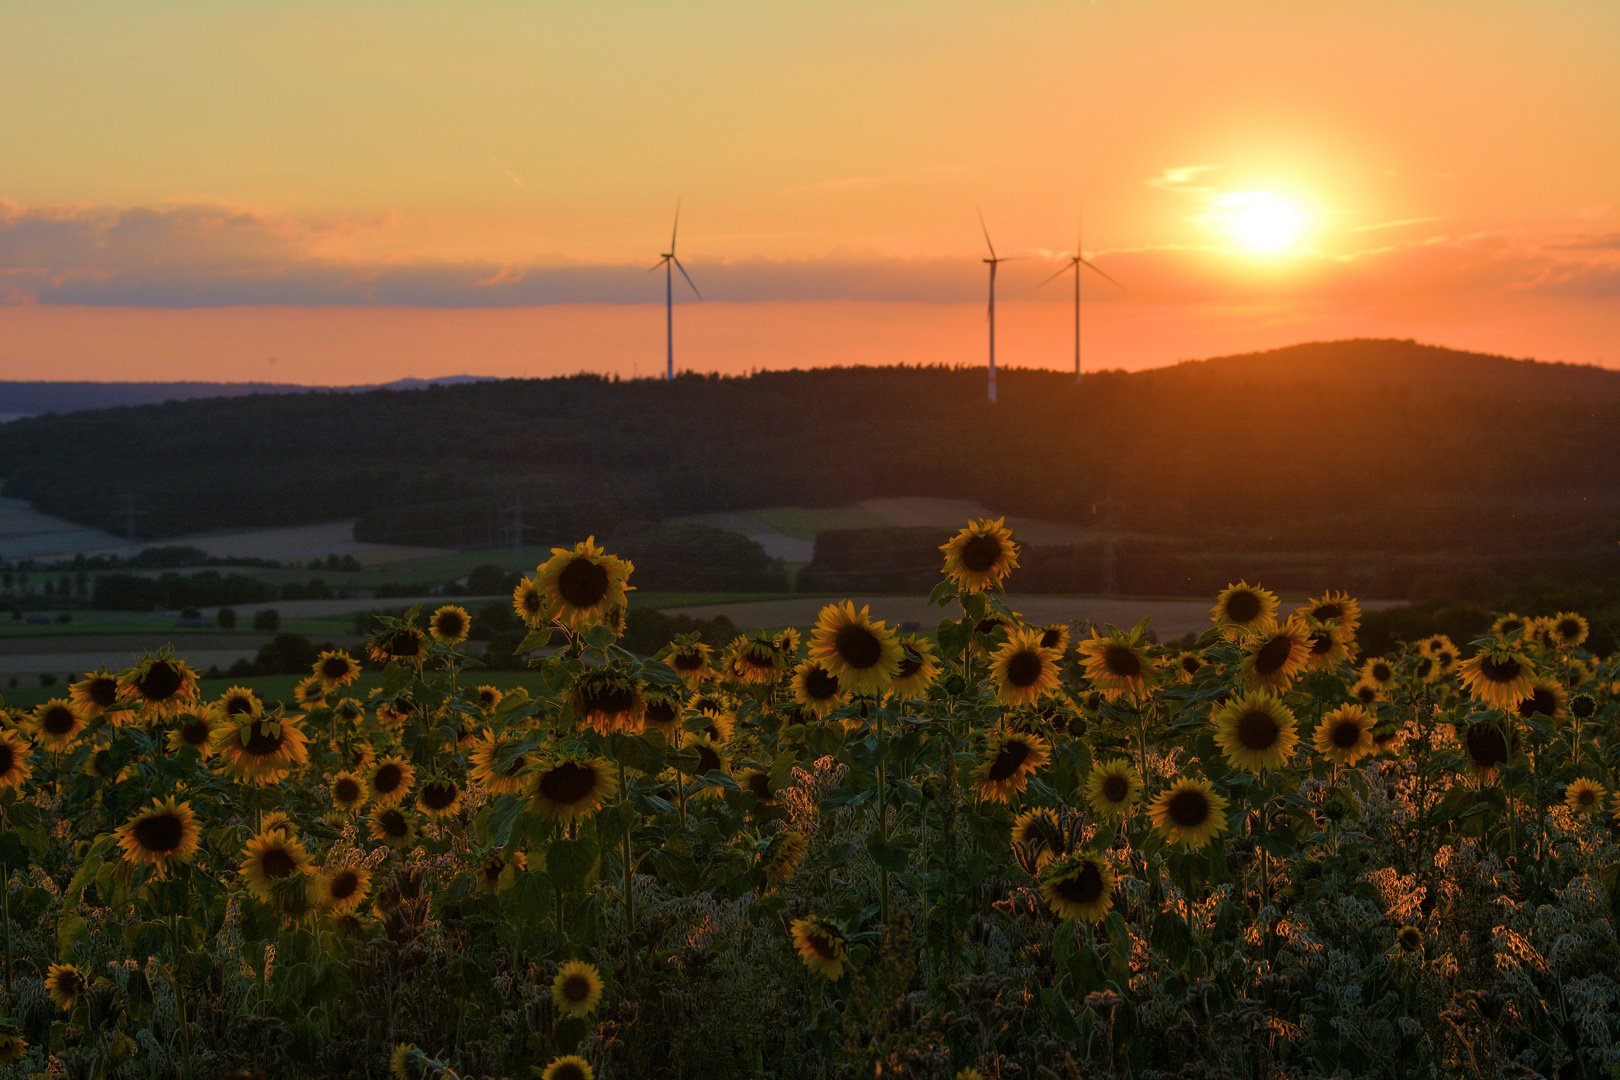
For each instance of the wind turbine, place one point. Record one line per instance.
(993, 261)
(1076, 261)
(666, 262)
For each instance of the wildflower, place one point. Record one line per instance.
(163, 835)
(577, 989)
(1345, 735)
(584, 586)
(1189, 812)
(1009, 761)
(1113, 787)
(1024, 670)
(1256, 731)
(160, 684)
(1243, 607)
(980, 556)
(450, 625)
(821, 946)
(571, 788)
(864, 655)
(1078, 887)
(336, 669)
(1500, 677)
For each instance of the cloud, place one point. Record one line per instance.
(208, 255)
(1180, 179)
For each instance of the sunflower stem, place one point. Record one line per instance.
(883, 828)
(629, 871)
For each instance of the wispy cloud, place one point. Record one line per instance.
(1393, 224)
(1182, 179)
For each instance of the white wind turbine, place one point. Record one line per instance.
(1076, 261)
(666, 262)
(993, 261)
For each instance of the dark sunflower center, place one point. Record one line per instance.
(1083, 887)
(1191, 664)
(438, 796)
(1116, 788)
(688, 661)
(1257, 730)
(1051, 638)
(1321, 644)
(1324, 612)
(486, 699)
(1586, 796)
(8, 758)
(344, 884)
(1121, 662)
(492, 869)
(566, 1070)
(708, 760)
(1345, 734)
(857, 646)
(516, 766)
(576, 988)
(451, 624)
(568, 784)
(404, 643)
(334, 667)
(910, 664)
(388, 779)
(1024, 668)
(195, 733)
(1411, 938)
(159, 833)
(760, 785)
(1242, 607)
(1274, 654)
(820, 684)
(981, 553)
(1009, 759)
(660, 713)
(1446, 659)
(583, 583)
(394, 824)
(1189, 808)
(1425, 666)
(1512, 625)
(1366, 694)
(821, 945)
(1569, 628)
(988, 626)
(346, 790)
(104, 692)
(531, 602)
(1382, 672)
(260, 742)
(1486, 745)
(277, 863)
(1541, 700)
(1503, 671)
(612, 698)
(58, 720)
(237, 705)
(161, 682)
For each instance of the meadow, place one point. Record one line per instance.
(991, 849)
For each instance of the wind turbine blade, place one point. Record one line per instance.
(656, 265)
(685, 275)
(1117, 285)
(986, 229)
(677, 227)
(1061, 271)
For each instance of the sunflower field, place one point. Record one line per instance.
(995, 850)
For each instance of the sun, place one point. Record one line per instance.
(1260, 219)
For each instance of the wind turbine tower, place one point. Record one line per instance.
(667, 261)
(993, 261)
(1076, 261)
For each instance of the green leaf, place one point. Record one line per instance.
(12, 853)
(69, 931)
(635, 752)
(572, 863)
(888, 855)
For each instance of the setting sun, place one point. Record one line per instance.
(1261, 220)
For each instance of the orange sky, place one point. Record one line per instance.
(366, 191)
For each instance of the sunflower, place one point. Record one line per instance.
(13, 1048)
(1189, 812)
(1488, 747)
(1584, 796)
(493, 867)
(821, 946)
(1325, 648)
(1570, 629)
(1024, 669)
(1426, 670)
(261, 749)
(816, 688)
(568, 1067)
(1345, 735)
(395, 712)
(196, 731)
(1113, 787)
(1507, 625)
(1274, 655)
(1436, 644)
(1118, 662)
(690, 661)
(390, 825)
(270, 858)
(530, 603)
(95, 694)
(1337, 609)
(1378, 671)
(389, 780)
(401, 1065)
(14, 767)
(343, 890)
(1409, 938)
(336, 669)
(1578, 672)
(577, 989)
(1366, 692)
(980, 556)
(238, 700)
(310, 693)
(1009, 761)
(64, 983)
(1243, 607)
(756, 660)
(349, 711)
(782, 857)
(56, 723)
(160, 684)
(1190, 664)
(919, 664)
(663, 712)
(403, 643)
(710, 760)
(1547, 698)
(864, 655)
(567, 789)
(1034, 828)
(1498, 676)
(1256, 731)
(161, 836)
(485, 753)
(348, 791)
(488, 698)
(1078, 887)
(608, 701)
(584, 586)
(439, 798)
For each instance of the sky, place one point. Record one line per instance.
(352, 192)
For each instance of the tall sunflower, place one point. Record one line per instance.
(238, 700)
(1256, 731)
(919, 664)
(261, 749)
(405, 643)
(1243, 607)
(821, 945)
(816, 688)
(1079, 887)
(450, 625)
(1273, 656)
(1112, 788)
(196, 731)
(1498, 676)
(1345, 735)
(1024, 669)
(980, 556)
(584, 586)
(607, 700)
(160, 684)
(56, 723)
(485, 756)
(1547, 698)
(756, 660)
(577, 989)
(161, 836)
(1337, 608)
(95, 693)
(864, 655)
(342, 890)
(14, 767)
(64, 984)
(1010, 759)
(530, 603)
(336, 669)
(691, 662)
(270, 858)
(1118, 662)
(567, 789)
(1570, 628)
(1189, 812)
(389, 780)
(1584, 796)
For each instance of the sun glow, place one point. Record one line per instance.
(1259, 219)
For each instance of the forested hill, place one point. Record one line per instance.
(36, 398)
(1343, 446)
